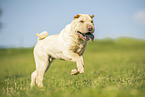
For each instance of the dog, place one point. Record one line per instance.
(69, 45)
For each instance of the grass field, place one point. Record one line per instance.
(112, 69)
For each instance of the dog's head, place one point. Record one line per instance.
(84, 26)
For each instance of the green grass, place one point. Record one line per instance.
(112, 69)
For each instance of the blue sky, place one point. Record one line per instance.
(21, 19)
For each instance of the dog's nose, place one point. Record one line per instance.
(90, 28)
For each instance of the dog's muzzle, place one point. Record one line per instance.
(86, 36)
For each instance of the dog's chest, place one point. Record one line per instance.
(79, 47)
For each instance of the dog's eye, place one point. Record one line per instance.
(91, 21)
(82, 21)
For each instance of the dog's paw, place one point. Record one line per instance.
(81, 71)
(74, 72)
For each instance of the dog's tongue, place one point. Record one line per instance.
(90, 36)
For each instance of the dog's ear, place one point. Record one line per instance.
(77, 16)
(91, 16)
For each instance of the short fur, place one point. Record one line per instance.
(69, 45)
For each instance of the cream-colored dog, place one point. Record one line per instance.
(69, 45)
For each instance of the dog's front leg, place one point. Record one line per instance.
(80, 66)
(79, 61)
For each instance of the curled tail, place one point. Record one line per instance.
(42, 35)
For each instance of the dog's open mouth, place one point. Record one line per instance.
(86, 36)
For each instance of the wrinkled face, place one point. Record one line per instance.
(84, 26)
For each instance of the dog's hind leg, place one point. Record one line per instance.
(33, 78)
(43, 62)
(41, 65)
